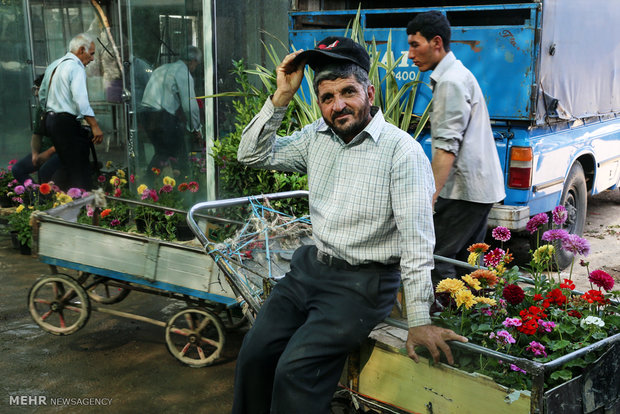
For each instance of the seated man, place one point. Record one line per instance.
(43, 157)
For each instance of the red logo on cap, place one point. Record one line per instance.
(333, 45)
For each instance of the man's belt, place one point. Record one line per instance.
(337, 263)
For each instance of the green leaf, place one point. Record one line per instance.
(557, 345)
(563, 374)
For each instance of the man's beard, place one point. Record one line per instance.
(350, 130)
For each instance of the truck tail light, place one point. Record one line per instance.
(520, 168)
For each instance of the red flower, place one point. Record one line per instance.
(192, 186)
(556, 296)
(105, 212)
(601, 279)
(574, 313)
(568, 284)
(45, 188)
(538, 297)
(513, 294)
(182, 187)
(594, 296)
(528, 327)
(156, 170)
(117, 192)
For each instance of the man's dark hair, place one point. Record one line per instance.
(338, 70)
(430, 24)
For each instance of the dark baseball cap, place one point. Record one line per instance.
(335, 48)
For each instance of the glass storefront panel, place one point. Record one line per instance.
(16, 78)
(167, 73)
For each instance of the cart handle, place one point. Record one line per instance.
(233, 202)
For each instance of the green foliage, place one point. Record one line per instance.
(19, 222)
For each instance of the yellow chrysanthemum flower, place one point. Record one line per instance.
(108, 164)
(543, 254)
(464, 297)
(63, 198)
(123, 181)
(19, 208)
(450, 285)
(141, 188)
(115, 181)
(472, 259)
(472, 282)
(169, 181)
(488, 301)
(120, 173)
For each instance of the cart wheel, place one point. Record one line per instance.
(100, 291)
(195, 337)
(58, 304)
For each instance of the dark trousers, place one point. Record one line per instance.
(24, 167)
(458, 224)
(73, 148)
(292, 358)
(167, 134)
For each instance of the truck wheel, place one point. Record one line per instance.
(575, 200)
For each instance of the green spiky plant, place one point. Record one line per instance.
(238, 180)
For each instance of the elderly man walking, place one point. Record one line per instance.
(64, 96)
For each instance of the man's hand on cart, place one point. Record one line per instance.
(433, 338)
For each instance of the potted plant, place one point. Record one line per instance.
(7, 182)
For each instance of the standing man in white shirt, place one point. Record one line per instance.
(64, 96)
(170, 108)
(466, 167)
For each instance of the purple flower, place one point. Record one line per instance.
(502, 337)
(576, 245)
(28, 183)
(115, 222)
(512, 322)
(501, 233)
(20, 189)
(536, 221)
(559, 215)
(74, 193)
(18, 200)
(169, 213)
(555, 234)
(546, 326)
(536, 348)
(517, 369)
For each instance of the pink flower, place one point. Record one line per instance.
(192, 186)
(536, 221)
(20, 189)
(494, 257)
(12, 162)
(132, 178)
(166, 189)
(559, 215)
(169, 213)
(115, 222)
(555, 234)
(536, 348)
(28, 183)
(74, 192)
(517, 369)
(502, 337)
(601, 279)
(546, 326)
(117, 192)
(576, 245)
(101, 178)
(511, 322)
(89, 211)
(501, 233)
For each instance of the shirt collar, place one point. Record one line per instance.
(442, 67)
(75, 58)
(373, 129)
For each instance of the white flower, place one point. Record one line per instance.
(591, 321)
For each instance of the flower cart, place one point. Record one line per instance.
(112, 263)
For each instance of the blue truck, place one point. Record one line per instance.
(550, 73)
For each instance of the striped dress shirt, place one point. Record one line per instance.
(370, 199)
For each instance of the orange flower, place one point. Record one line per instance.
(156, 170)
(45, 188)
(105, 212)
(183, 186)
(485, 276)
(478, 248)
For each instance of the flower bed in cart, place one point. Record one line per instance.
(535, 342)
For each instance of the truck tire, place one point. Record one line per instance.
(575, 200)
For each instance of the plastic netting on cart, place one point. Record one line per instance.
(259, 252)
